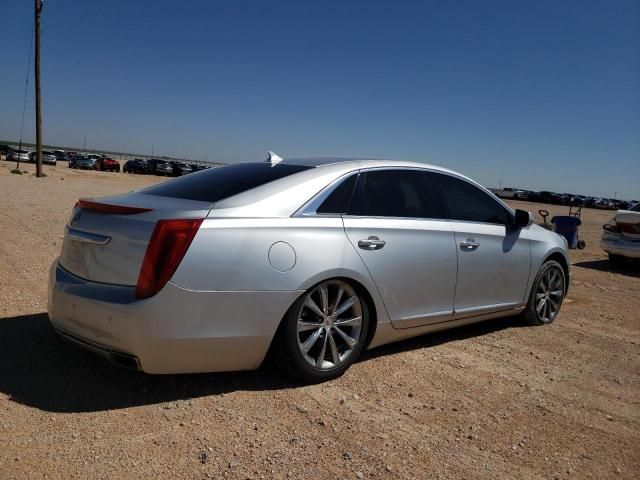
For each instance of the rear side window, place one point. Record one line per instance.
(393, 193)
(222, 182)
(463, 201)
(338, 201)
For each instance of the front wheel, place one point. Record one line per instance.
(323, 332)
(546, 295)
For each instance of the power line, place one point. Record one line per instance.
(26, 86)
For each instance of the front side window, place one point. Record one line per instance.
(464, 201)
(393, 193)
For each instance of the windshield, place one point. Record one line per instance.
(218, 183)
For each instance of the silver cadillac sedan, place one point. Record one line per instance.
(312, 260)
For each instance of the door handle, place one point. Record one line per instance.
(371, 243)
(469, 244)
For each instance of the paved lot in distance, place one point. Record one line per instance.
(495, 400)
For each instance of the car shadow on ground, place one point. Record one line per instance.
(629, 268)
(40, 370)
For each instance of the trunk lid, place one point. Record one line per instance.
(628, 224)
(107, 245)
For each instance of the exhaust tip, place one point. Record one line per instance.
(125, 361)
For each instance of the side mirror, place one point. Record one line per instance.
(523, 218)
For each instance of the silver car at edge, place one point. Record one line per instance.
(312, 260)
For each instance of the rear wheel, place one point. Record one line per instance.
(323, 332)
(546, 295)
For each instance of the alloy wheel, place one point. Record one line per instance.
(329, 325)
(549, 295)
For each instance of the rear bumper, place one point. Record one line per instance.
(617, 245)
(176, 331)
(118, 358)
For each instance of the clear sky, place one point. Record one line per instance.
(538, 94)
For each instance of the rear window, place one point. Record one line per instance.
(222, 182)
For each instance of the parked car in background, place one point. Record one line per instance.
(18, 155)
(94, 156)
(197, 167)
(180, 168)
(47, 157)
(106, 164)
(155, 166)
(550, 197)
(61, 156)
(314, 260)
(621, 235)
(82, 162)
(512, 193)
(6, 150)
(137, 165)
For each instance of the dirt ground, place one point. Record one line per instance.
(499, 399)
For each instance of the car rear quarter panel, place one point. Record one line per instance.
(233, 255)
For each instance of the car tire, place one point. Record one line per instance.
(547, 294)
(323, 333)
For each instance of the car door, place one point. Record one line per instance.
(393, 224)
(493, 260)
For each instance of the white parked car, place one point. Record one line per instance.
(621, 235)
(47, 157)
(513, 193)
(21, 155)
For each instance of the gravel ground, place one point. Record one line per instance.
(495, 400)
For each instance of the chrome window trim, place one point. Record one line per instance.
(310, 207)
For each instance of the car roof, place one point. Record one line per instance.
(362, 162)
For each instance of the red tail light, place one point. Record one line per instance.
(169, 243)
(88, 204)
(632, 228)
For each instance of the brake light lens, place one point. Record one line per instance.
(168, 245)
(611, 227)
(89, 204)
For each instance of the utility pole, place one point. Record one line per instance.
(38, 11)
